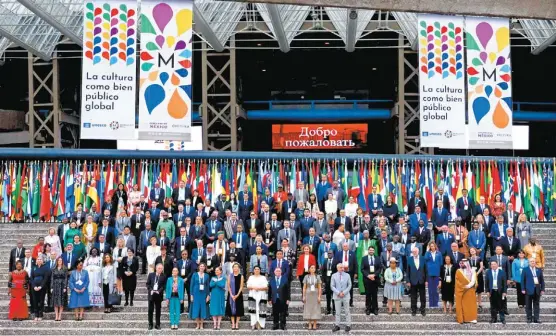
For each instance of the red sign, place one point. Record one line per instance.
(319, 136)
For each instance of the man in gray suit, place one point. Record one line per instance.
(287, 233)
(341, 285)
(338, 194)
(321, 224)
(300, 194)
(128, 238)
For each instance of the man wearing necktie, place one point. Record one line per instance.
(349, 262)
(17, 253)
(157, 196)
(496, 287)
(416, 276)
(181, 194)
(279, 293)
(532, 286)
(465, 207)
(371, 269)
(156, 283)
(327, 269)
(143, 244)
(504, 264)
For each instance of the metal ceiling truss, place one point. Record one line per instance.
(37, 25)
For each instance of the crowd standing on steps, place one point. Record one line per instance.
(237, 259)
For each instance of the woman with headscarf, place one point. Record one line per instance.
(93, 266)
(466, 303)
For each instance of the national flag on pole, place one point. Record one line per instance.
(46, 197)
(355, 188)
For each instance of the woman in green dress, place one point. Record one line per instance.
(79, 248)
(72, 232)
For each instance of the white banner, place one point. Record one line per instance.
(196, 143)
(441, 81)
(109, 70)
(489, 73)
(166, 68)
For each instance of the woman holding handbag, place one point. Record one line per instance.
(174, 297)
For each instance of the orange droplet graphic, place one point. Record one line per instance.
(153, 76)
(500, 117)
(177, 108)
(175, 80)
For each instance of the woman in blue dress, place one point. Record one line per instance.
(174, 296)
(79, 290)
(200, 296)
(217, 297)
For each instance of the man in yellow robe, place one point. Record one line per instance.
(465, 295)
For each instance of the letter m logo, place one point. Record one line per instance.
(164, 61)
(492, 75)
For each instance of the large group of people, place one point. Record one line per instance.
(202, 256)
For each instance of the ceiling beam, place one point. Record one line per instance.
(534, 9)
(203, 27)
(40, 12)
(278, 27)
(351, 29)
(20, 43)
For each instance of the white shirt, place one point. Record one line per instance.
(306, 263)
(416, 261)
(181, 194)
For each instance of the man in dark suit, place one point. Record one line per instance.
(455, 255)
(182, 243)
(253, 223)
(374, 202)
(17, 253)
(166, 261)
(416, 276)
(371, 268)
(245, 191)
(307, 222)
(439, 217)
(221, 205)
(343, 219)
(444, 240)
(465, 209)
(245, 207)
(69, 258)
(143, 204)
(480, 208)
(440, 196)
(79, 215)
(157, 196)
(503, 263)
(144, 242)
(327, 269)
(321, 189)
(102, 246)
(189, 209)
(107, 232)
(288, 207)
(181, 193)
(281, 263)
(510, 245)
(532, 286)
(348, 259)
(423, 235)
(415, 201)
(496, 287)
(510, 216)
(268, 199)
(279, 293)
(62, 229)
(313, 241)
(137, 221)
(156, 283)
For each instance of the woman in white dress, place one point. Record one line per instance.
(153, 251)
(313, 205)
(93, 265)
(258, 294)
(54, 242)
(120, 251)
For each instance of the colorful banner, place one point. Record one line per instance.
(441, 82)
(109, 70)
(319, 136)
(166, 70)
(489, 84)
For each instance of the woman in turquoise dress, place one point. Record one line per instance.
(174, 296)
(79, 290)
(200, 296)
(217, 297)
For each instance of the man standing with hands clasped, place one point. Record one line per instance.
(341, 285)
(156, 282)
(279, 298)
(371, 269)
(532, 284)
(496, 287)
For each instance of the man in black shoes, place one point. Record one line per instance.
(156, 282)
(496, 287)
(371, 268)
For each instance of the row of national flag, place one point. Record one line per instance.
(53, 189)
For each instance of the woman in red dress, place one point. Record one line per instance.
(18, 285)
(498, 207)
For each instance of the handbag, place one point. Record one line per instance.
(114, 299)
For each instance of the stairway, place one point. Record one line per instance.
(133, 320)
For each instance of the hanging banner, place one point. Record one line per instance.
(441, 81)
(166, 70)
(109, 70)
(489, 82)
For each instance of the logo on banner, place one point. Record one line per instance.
(166, 62)
(490, 74)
